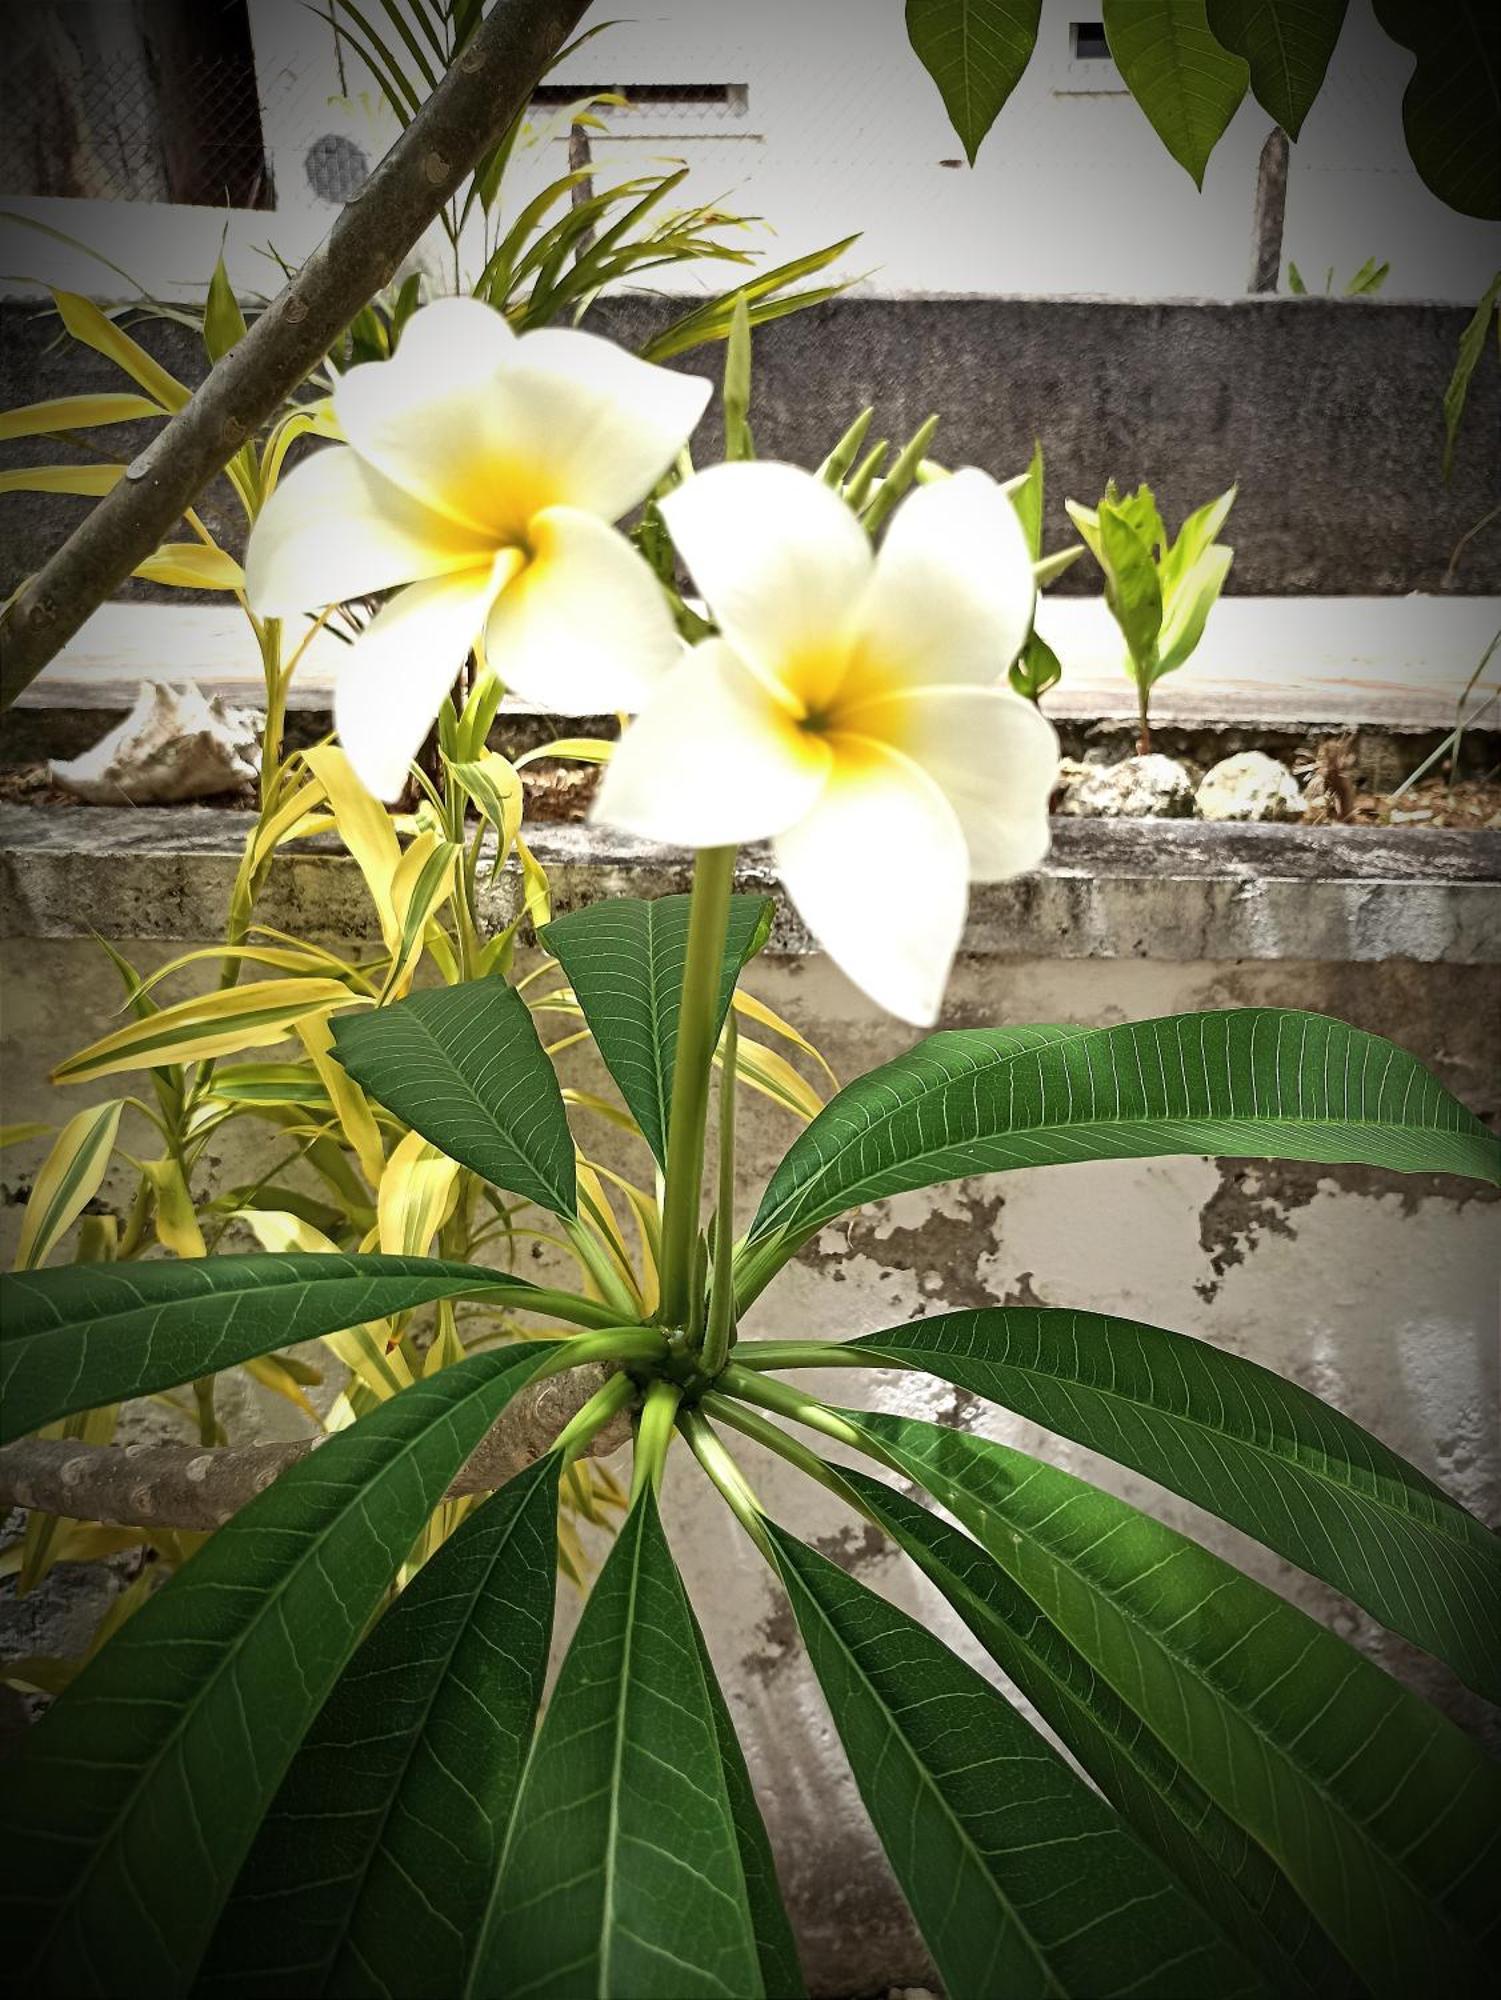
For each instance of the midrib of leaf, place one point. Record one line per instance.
(658, 1010)
(477, 1104)
(271, 1602)
(928, 1785)
(605, 1986)
(1156, 1639)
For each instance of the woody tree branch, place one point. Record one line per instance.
(472, 105)
(186, 1487)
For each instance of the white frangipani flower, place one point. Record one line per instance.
(853, 709)
(482, 470)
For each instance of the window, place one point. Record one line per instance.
(156, 101)
(1087, 42)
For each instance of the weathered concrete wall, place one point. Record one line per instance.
(1373, 1289)
(1327, 411)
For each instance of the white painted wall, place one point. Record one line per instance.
(842, 131)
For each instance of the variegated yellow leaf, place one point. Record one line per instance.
(491, 782)
(767, 1017)
(90, 481)
(177, 1227)
(210, 1024)
(365, 828)
(581, 749)
(534, 888)
(192, 566)
(72, 413)
(88, 324)
(415, 1197)
(279, 825)
(273, 1374)
(17, 1135)
(422, 883)
(774, 1077)
(69, 1178)
(351, 1106)
(362, 1349)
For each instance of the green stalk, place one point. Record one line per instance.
(586, 1423)
(713, 873)
(653, 1436)
(751, 1424)
(722, 1470)
(719, 1337)
(790, 1402)
(614, 1343)
(809, 1354)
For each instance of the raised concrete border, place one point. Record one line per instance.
(1180, 892)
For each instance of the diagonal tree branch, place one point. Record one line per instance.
(470, 108)
(186, 1486)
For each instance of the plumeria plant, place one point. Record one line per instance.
(319, 1759)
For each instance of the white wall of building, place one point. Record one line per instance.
(841, 131)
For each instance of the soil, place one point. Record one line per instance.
(560, 794)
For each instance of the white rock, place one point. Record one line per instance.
(174, 744)
(1139, 788)
(1250, 786)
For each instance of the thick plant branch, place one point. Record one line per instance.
(470, 108)
(182, 1486)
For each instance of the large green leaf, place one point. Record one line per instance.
(1022, 1880)
(976, 52)
(624, 960)
(1451, 112)
(1261, 1080)
(87, 1334)
(1378, 1810)
(1250, 1447)
(1228, 1874)
(374, 1867)
(463, 1066)
(129, 1811)
(1286, 44)
(1189, 87)
(623, 1875)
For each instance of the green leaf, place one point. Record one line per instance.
(624, 960)
(976, 52)
(1193, 600)
(1027, 499)
(1036, 669)
(1132, 589)
(1227, 1873)
(71, 413)
(1255, 1080)
(1286, 44)
(1368, 280)
(1471, 347)
(67, 1181)
(1248, 1446)
(623, 1873)
(375, 1864)
(1451, 111)
(463, 1066)
(1195, 537)
(1022, 1880)
(86, 1334)
(1188, 86)
(128, 1812)
(223, 322)
(1379, 1811)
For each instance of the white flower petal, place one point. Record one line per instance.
(952, 596)
(604, 423)
(491, 429)
(782, 562)
(584, 627)
(878, 871)
(396, 674)
(992, 755)
(334, 528)
(712, 760)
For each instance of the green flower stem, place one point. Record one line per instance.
(713, 873)
(708, 1449)
(719, 1337)
(653, 1436)
(618, 1302)
(570, 1308)
(585, 1424)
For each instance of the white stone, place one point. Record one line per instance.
(174, 744)
(1250, 786)
(1151, 787)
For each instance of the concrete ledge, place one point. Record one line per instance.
(1179, 892)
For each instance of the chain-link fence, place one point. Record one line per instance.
(129, 105)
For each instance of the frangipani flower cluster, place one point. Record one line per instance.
(482, 471)
(852, 709)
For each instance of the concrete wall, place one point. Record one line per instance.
(1374, 1290)
(1326, 411)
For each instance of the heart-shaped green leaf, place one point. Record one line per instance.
(976, 51)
